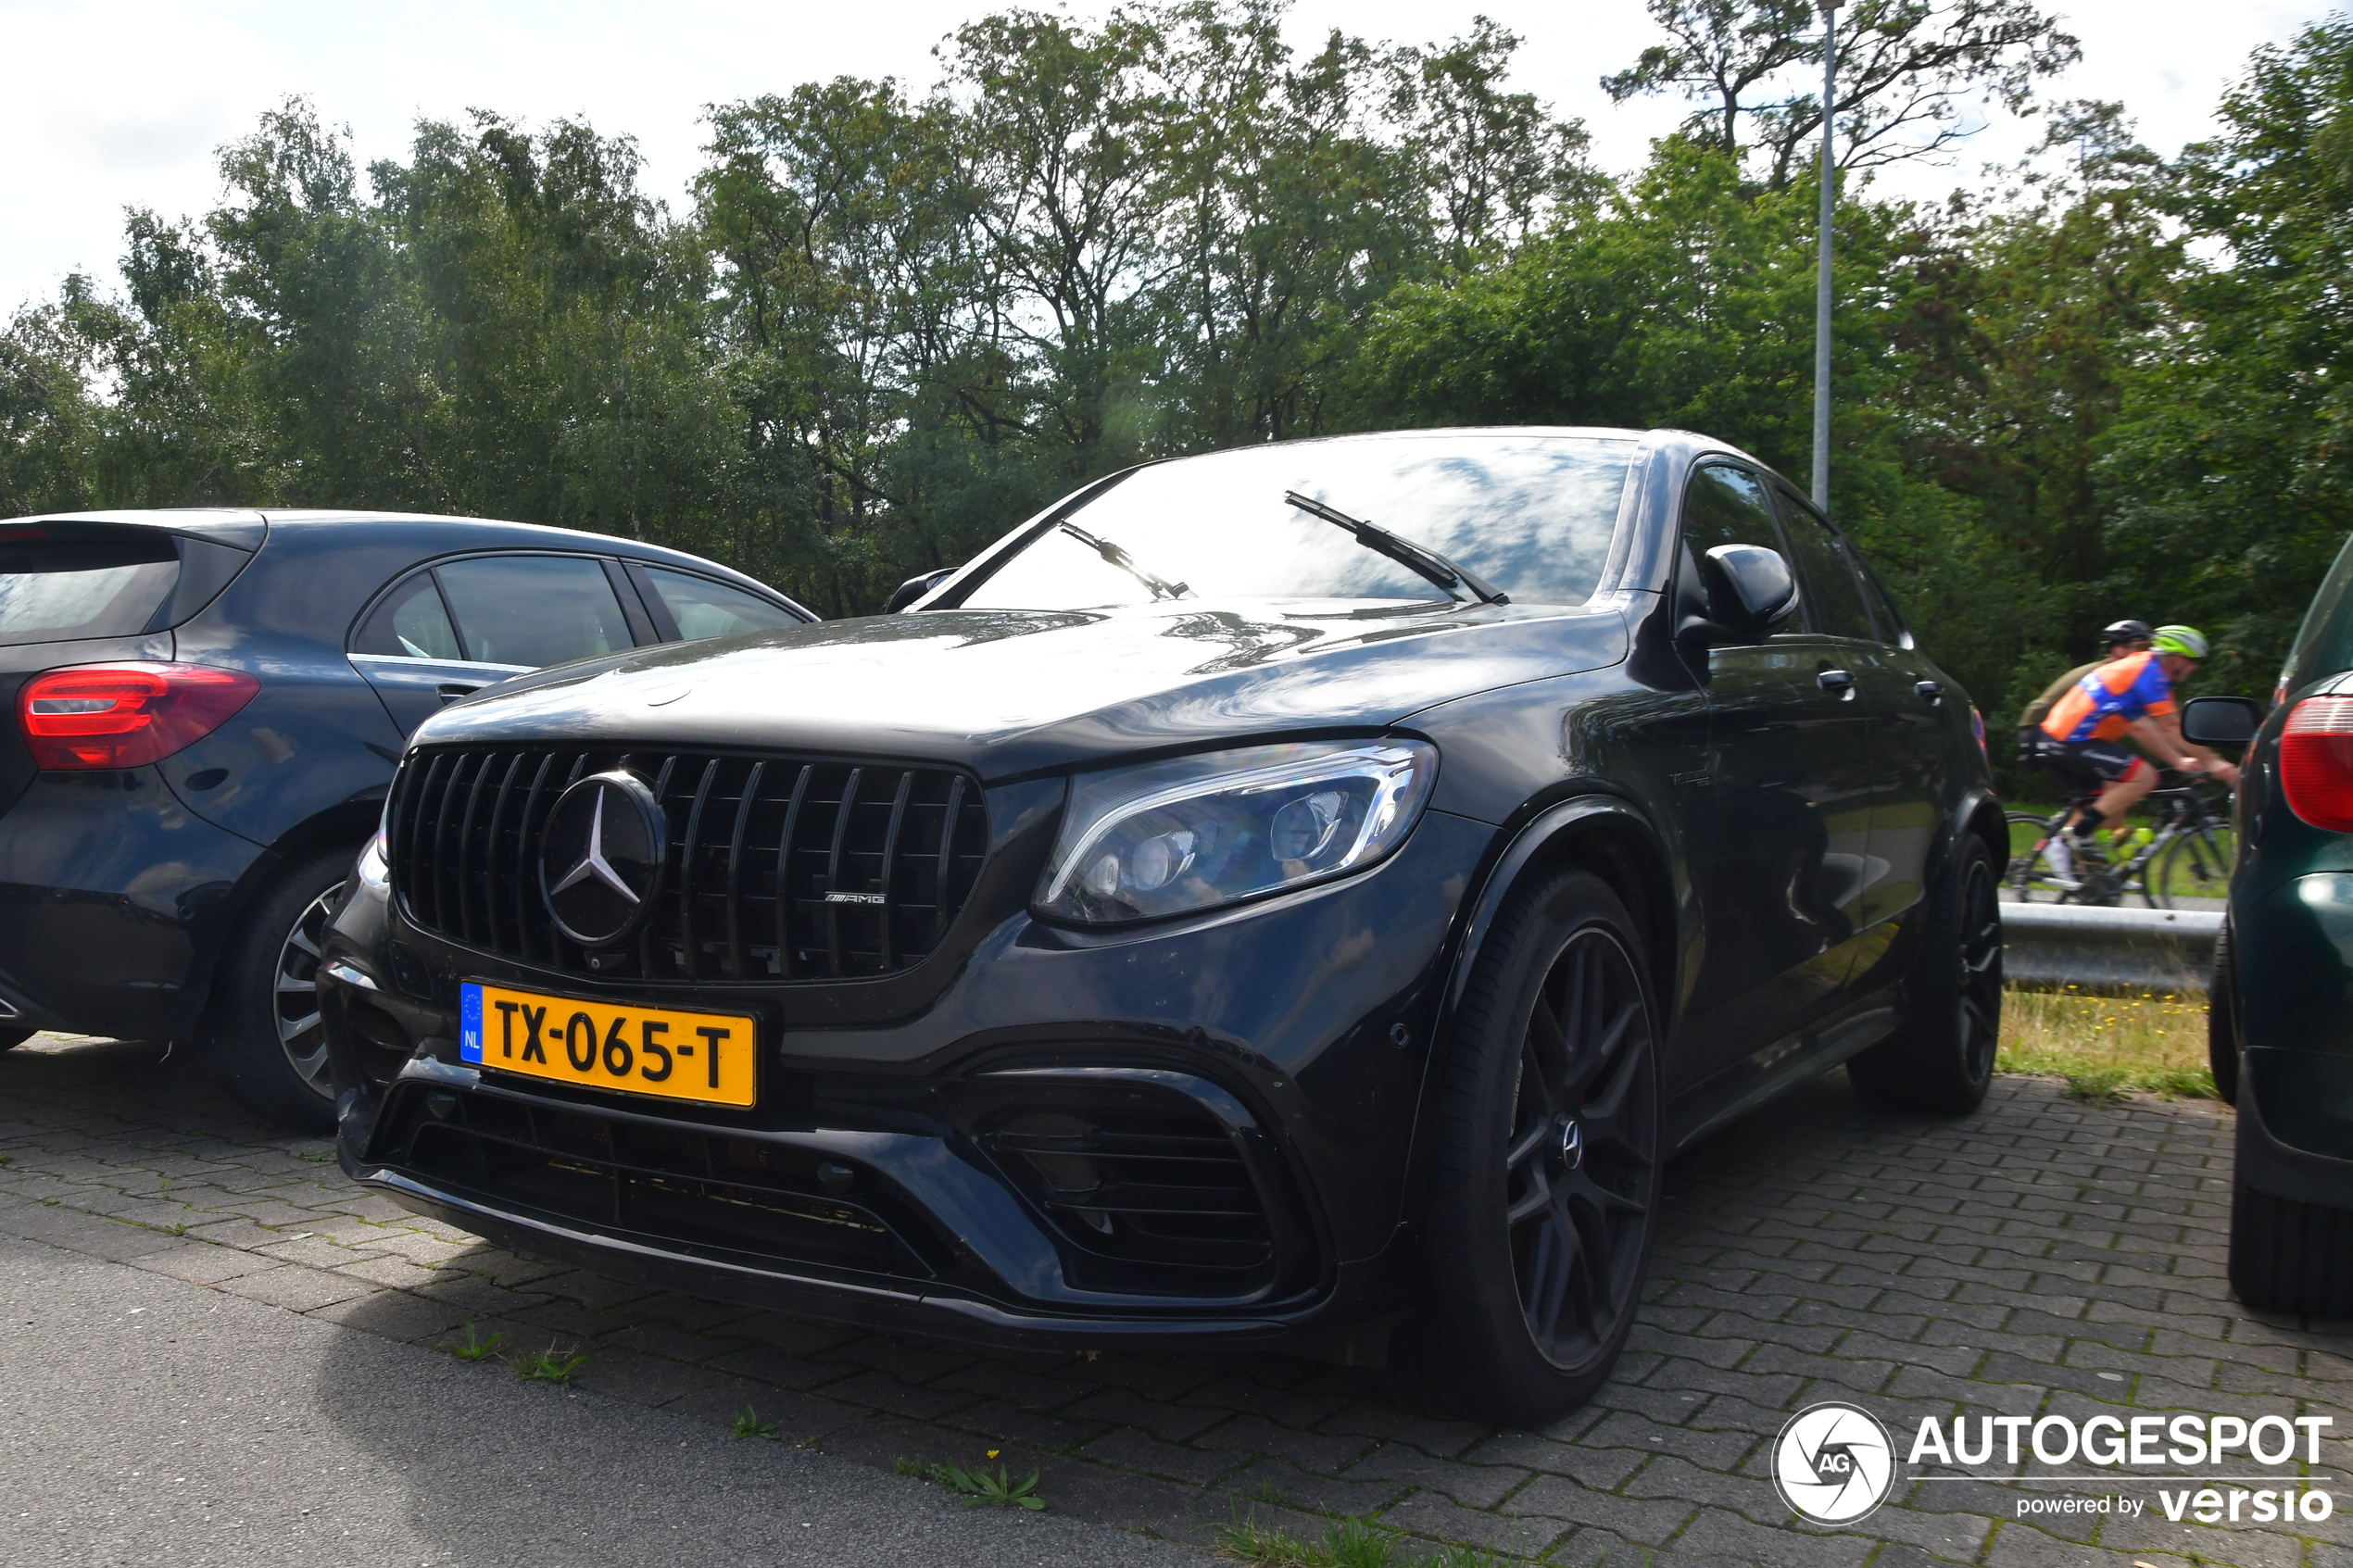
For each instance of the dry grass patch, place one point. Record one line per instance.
(2107, 1047)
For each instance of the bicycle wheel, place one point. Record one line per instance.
(2195, 865)
(2028, 878)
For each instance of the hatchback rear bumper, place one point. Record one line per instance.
(114, 900)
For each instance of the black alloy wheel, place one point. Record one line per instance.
(1545, 1177)
(267, 1037)
(1941, 1060)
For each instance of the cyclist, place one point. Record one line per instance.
(2118, 638)
(2129, 695)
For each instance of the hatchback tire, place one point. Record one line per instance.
(1543, 1183)
(266, 1039)
(1941, 1061)
(2291, 1257)
(2222, 1020)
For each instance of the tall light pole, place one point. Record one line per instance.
(1823, 285)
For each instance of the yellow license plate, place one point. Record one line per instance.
(706, 1057)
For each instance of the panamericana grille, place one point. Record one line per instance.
(756, 844)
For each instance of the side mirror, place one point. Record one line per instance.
(1751, 587)
(2220, 721)
(915, 588)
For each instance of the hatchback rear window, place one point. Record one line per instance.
(59, 583)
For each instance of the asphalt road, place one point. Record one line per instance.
(147, 1421)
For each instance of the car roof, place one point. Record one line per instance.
(246, 528)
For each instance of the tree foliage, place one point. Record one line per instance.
(893, 321)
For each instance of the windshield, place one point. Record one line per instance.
(1532, 514)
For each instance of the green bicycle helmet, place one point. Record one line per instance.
(2186, 641)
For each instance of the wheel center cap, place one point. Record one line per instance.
(1572, 1144)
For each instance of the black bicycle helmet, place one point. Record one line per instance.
(2126, 632)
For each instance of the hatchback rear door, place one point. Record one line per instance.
(87, 590)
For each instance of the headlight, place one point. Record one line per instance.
(376, 873)
(1197, 831)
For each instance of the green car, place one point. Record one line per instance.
(2281, 1016)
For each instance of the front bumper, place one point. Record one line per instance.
(1255, 1075)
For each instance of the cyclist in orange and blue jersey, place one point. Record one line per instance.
(2131, 695)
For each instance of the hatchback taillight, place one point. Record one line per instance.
(2316, 761)
(126, 715)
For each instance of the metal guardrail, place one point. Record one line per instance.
(2049, 945)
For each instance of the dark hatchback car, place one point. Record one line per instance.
(1272, 896)
(203, 710)
(2281, 1011)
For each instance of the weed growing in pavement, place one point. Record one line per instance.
(176, 1229)
(748, 1424)
(8, 1158)
(316, 1156)
(1347, 1543)
(549, 1365)
(2109, 1047)
(977, 1486)
(475, 1348)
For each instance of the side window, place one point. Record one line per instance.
(533, 610)
(1831, 583)
(704, 608)
(1726, 506)
(410, 623)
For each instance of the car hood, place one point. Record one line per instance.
(1007, 693)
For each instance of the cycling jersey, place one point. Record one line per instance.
(2105, 702)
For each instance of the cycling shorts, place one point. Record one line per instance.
(2094, 762)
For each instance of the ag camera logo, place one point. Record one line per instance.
(1833, 1462)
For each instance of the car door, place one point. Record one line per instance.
(1780, 840)
(449, 629)
(1910, 745)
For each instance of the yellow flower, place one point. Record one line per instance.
(992, 1453)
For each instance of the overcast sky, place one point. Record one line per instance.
(121, 104)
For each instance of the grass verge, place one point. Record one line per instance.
(2109, 1047)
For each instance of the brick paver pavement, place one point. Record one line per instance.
(2042, 1257)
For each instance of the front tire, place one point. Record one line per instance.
(1940, 1063)
(266, 1039)
(1545, 1161)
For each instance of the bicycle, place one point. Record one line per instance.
(2188, 854)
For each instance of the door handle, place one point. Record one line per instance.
(1835, 680)
(1932, 690)
(450, 694)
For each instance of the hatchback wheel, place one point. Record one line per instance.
(1941, 1061)
(1544, 1195)
(2222, 1020)
(266, 1039)
(2291, 1257)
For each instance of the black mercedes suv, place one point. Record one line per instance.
(203, 710)
(1281, 895)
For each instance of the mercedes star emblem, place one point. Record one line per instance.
(601, 859)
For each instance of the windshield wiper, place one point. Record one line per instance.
(1160, 587)
(1416, 558)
